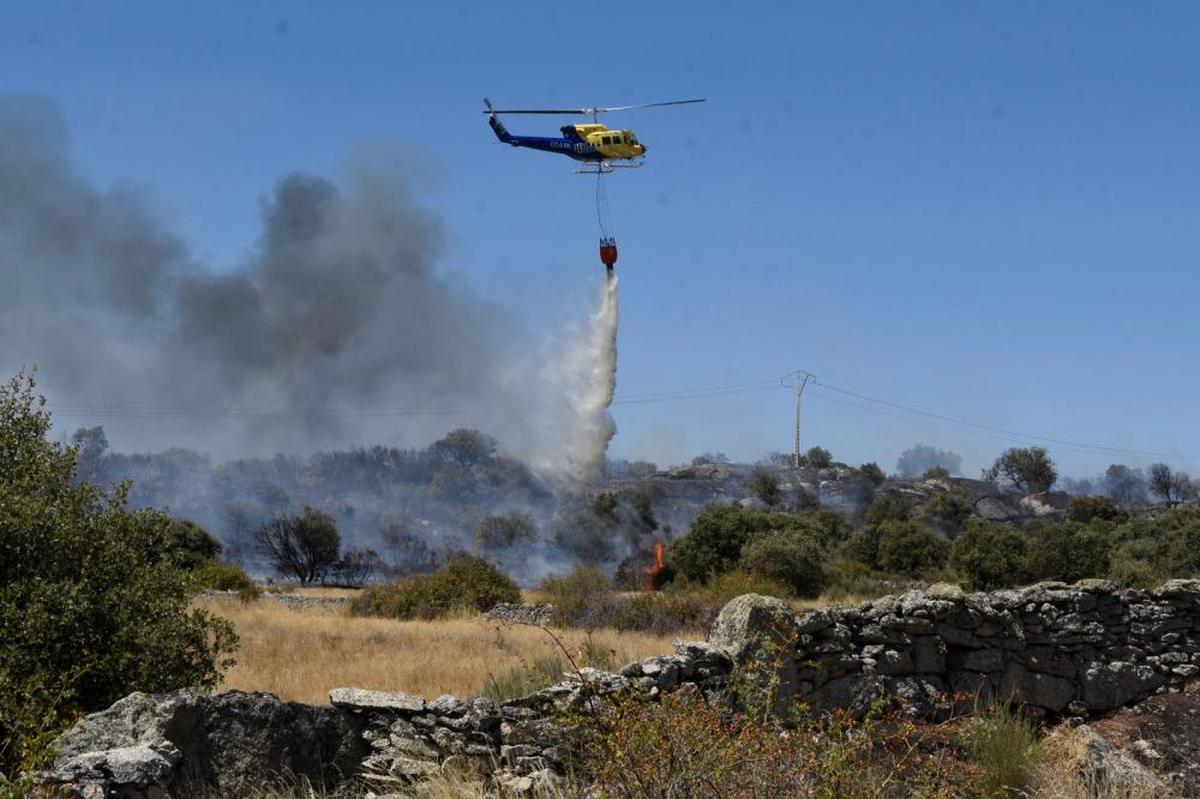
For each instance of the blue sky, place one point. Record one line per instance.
(988, 211)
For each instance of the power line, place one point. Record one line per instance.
(1003, 431)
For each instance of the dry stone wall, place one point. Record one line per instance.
(1056, 649)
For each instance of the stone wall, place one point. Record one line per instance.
(1056, 649)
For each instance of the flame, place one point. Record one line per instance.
(654, 572)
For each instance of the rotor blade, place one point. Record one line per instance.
(538, 111)
(643, 105)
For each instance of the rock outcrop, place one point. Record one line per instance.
(1059, 650)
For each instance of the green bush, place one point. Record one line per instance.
(873, 474)
(1068, 551)
(936, 473)
(304, 546)
(950, 510)
(788, 557)
(581, 598)
(989, 555)
(464, 583)
(910, 548)
(765, 485)
(818, 458)
(715, 543)
(888, 508)
(217, 576)
(93, 605)
(1085, 510)
(501, 531)
(193, 545)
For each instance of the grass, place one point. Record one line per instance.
(301, 655)
(1006, 748)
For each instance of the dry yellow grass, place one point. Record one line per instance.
(302, 654)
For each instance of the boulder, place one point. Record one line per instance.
(1109, 685)
(148, 744)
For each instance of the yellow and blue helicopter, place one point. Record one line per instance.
(594, 144)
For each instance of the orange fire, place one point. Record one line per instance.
(654, 572)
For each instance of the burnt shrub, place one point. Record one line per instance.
(464, 584)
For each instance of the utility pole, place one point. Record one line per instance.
(797, 380)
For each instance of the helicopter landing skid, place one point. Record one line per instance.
(604, 167)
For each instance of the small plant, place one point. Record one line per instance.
(524, 679)
(1004, 744)
(464, 583)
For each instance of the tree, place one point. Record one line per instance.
(1125, 486)
(873, 474)
(921, 458)
(1172, 486)
(765, 485)
(789, 557)
(989, 555)
(406, 553)
(356, 566)
(303, 546)
(1162, 481)
(464, 448)
(818, 458)
(1028, 469)
(92, 604)
(502, 531)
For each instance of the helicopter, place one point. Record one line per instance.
(597, 146)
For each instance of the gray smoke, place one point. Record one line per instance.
(338, 329)
(920, 458)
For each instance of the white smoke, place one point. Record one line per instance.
(586, 374)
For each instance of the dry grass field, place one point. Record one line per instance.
(302, 654)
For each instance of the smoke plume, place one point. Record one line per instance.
(338, 329)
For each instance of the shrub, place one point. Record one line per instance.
(193, 545)
(581, 598)
(936, 473)
(989, 555)
(818, 458)
(464, 583)
(682, 747)
(714, 543)
(92, 604)
(791, 558)
(888, 508)
(909, 548)
(1085, 510)
(1068, 551)
(873, 474)
(1005, 746)
(765, 485)
(950, 510)
(498, 532)
(521, 680)
(218, 576)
